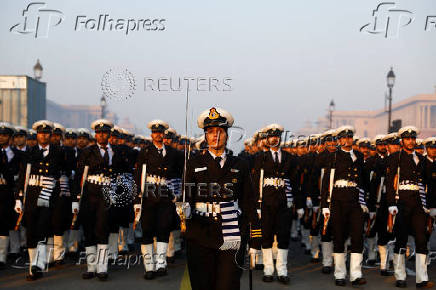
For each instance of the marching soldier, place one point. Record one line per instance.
(41, 187)
(83, 137)
(343, 198)
(156, 208)
(20, 136)
(221, 200)
(96, 165)
(317, 177)
(378, 205)
(10, 161)
(409, 202)
(275, 174)
(31, 138)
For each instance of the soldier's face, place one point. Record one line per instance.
(82, 142)
(157, 137)
(365, 151)
(20, 140)
(31, 143)
(102, 137)
(216, 137)
(346, 142)
(43, 138)
(409, 143)
(381, 148)
(392, 148)
(4, 139)
(167, 141)
(273, 141)
(431, 152)
(70, 142)
(55, 139)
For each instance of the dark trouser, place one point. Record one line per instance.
(276, 220)
(328, 233)
(38, 220)
(62, 215)
(212, 269)
(8, 216)
(156, 221)
(347, 218)
(93, 216)
(411, 219)
(119, 217)
(381, 224)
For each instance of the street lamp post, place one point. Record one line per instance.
(103, 105)
(37, 70)
(390, 82)
(331, 109)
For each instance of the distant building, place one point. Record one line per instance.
(419, 111)
(22, 100)
(76, 116)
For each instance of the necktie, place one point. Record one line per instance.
(4, 156)
(276, 157)
(105, 156)
(43, 150)
(218, 161)
(160, 152)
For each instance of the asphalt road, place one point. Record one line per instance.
(303, 275)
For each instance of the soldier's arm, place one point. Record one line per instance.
(391, 171)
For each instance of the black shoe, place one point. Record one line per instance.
(258, 267)
(283, 279)
(161, 272)
(340, 282)
(401, 284)
(370, 262)
(35, 273)
(358, 282)
(267, 278)
(386, 273)
(149, 275)
(326, 270)
(171, 260)
(307, 252)
(314, 260)
(425, 284)
(88, 275)
(102, 276)
(59, 263)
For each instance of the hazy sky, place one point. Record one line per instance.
(286, 59)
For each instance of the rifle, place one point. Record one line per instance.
(82, 185)
(143, 179)
(391, 218)
(329, 199)
(26, 183)
(371, 222)
(259, 211)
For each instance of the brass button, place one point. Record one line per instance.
(47, 164)
(40, 163)
(46, 171)
(40, 170)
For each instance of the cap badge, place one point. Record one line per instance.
(213, 114)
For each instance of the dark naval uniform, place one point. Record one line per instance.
(220, 194)
(407, 200)
(10, 162)
(347, 207)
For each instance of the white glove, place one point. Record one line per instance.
(433, 212)
(309, 203)
(137, 208)
(252, 251)
(290, 203)
(75, 207)
(18, 206)
(315, 208)
(325, 211)
(300, 212)
(371, 215)
(187, 209)
(364, 208)
(393, 210)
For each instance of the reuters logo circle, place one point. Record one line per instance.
(118, 84)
